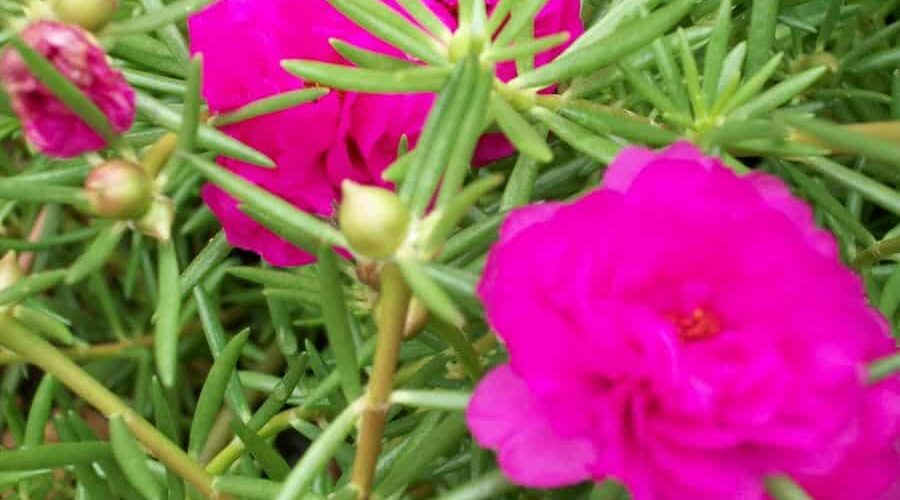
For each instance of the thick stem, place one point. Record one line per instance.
(38, 352)
(391, 319)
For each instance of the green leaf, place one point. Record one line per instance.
(580, 138)
(207, 137)
(423, 14)
(250, 488)
(771, 99)
(158, 18)
(409, 466)
(761, 34)
(414, 80)
(430, 293)
(466, 140)
(617, 122)
(193, 102)
(438, 137)
(165, 421)
(460, 343)
(782, 487)
(521, 133)
(95, 256)
(65, 90)
(840, 138)
(168, 307)
(169, 33)
(272, 463)
(317, 456)
(836, 209)
(41, 192)
(39, 412)
(528, 48)
(730, 76)
(735, 131)
(716, 53)
(519, 188)
(216, 340)
(269, 105)
(435, 399)
(47, 325)
(520, 19)
(663, 54)
(212, 254)
(337, 323)
(877, 193)
(884, 368)
(885, 59)
(281, 392)
(691, 77)
(53, 456)
(272, 278)
(491, 485)
(31, 285)
(753, 85)
(298, 227)
(131, 459)
(621, 43)
(442, 222)
(387, 24)
(213, 392)
(369, 59)
(870, 43)
(649, 91)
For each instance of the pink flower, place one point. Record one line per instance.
(318, 145)
(48, 123)
(688, 332)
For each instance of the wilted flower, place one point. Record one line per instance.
(49, 124)
(688, 332)
(318, 145)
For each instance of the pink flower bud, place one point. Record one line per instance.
(48, 123)
(119, 189)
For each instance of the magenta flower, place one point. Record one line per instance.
(318, 145)
(688, 332)
(48, 123)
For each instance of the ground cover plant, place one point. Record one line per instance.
(458, 249)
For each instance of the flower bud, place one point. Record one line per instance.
(10, 270)
(119, 189)
(89, 14)
(49, 124)
(373, 219)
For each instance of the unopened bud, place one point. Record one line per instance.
(157, 222)
(10, 270)
(374, 220)
(89, 14)
(47, 122)
(119, 189)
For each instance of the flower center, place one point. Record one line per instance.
(699, 325)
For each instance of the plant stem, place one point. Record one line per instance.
(391, 319)
(36, 351)
(876, 252)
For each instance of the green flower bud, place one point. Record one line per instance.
(119, 189)
(89, 14)
(374, 220)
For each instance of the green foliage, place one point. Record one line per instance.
(144, 330)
